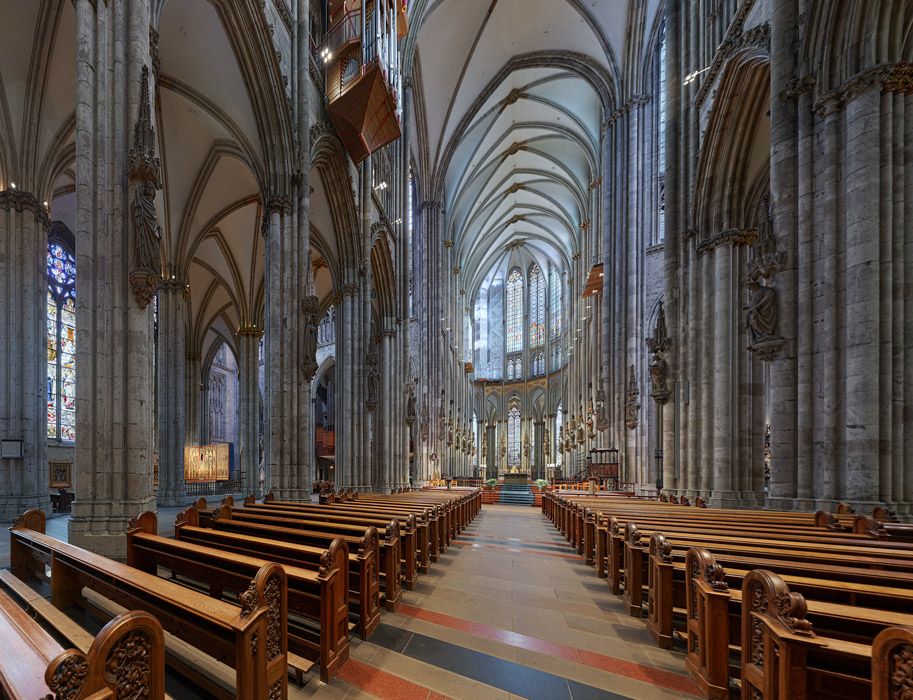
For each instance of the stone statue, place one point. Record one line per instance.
(484, 444)
(546, 444)
(424, 426)
(658, 373)
(371, 400)
(311, 312)
(144, 170)
(410, 406)
(449, 433)
(146, 230)
(762, 312)
(632, 405)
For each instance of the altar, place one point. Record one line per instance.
(513, 478)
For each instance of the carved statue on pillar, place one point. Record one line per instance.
(410, 403)
(546, 444)
(632, 404)
(762, 312)
(371, 398)
(311, 313)
(766, 261)
(484, 443)
(144, 171)
(602, 421)
(659, 345)
(424, 424)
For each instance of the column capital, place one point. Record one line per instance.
(250, 331)
(733, 236)
(21, 201)
(174, 285)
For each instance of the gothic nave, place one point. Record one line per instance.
(482, 261)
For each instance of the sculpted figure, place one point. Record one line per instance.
(762, 312)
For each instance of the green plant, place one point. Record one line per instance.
(541, 483)
(492, 483)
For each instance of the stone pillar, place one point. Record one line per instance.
(23, 364)
(114, 356)
(249, 407)
(172, 391)
(193, 397)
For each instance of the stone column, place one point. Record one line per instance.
(23, 360)
(249, 407)
(172, 391)
(193, 393)
(114, 356)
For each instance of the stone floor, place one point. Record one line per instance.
(509, 611)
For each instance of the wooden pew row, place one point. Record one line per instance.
(464, 504)
(318, 617)
(386, 558)
(223, 631)
(595, 525)
(609, 557)
(713, 606)
(389, 559)
(363, 584)
(409, 535)
(665, 562)
(783, 655)
(425, 519)
(578, 518)
(126, 659)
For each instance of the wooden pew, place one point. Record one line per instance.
(126, 658)
(784, 656)
(319, 596)
(424, 525)
(221, 630)
(665, 561)
(362, 583)
(716, 612)
(408, 534)
(386, 552)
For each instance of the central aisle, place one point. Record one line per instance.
(510, 611)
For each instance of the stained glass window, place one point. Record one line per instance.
(326, 329)
(661, 141)
(513, 436)
(554, 301)
(61, 332)
(536, 307)
(537, 364)
(514, 312)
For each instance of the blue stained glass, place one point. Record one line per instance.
(61, 333)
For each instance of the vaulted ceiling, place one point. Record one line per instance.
(512, 97)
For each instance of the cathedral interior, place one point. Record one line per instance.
(463, 252)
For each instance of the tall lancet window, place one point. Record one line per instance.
(660, 90)
(515, 312)
(513, 436)
(554, 312)
(536, 308)
(514, 324)
(61, 325)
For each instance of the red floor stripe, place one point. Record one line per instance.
(384, 685)
(610, 664)
(516, 551)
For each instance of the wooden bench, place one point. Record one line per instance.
(783, 656)
(223, 631)
(316, 534)
(716, 612)
(408, 535)
(425, 525)
(665, 562)
(126, 658)
(317, 596)
(362, 582)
